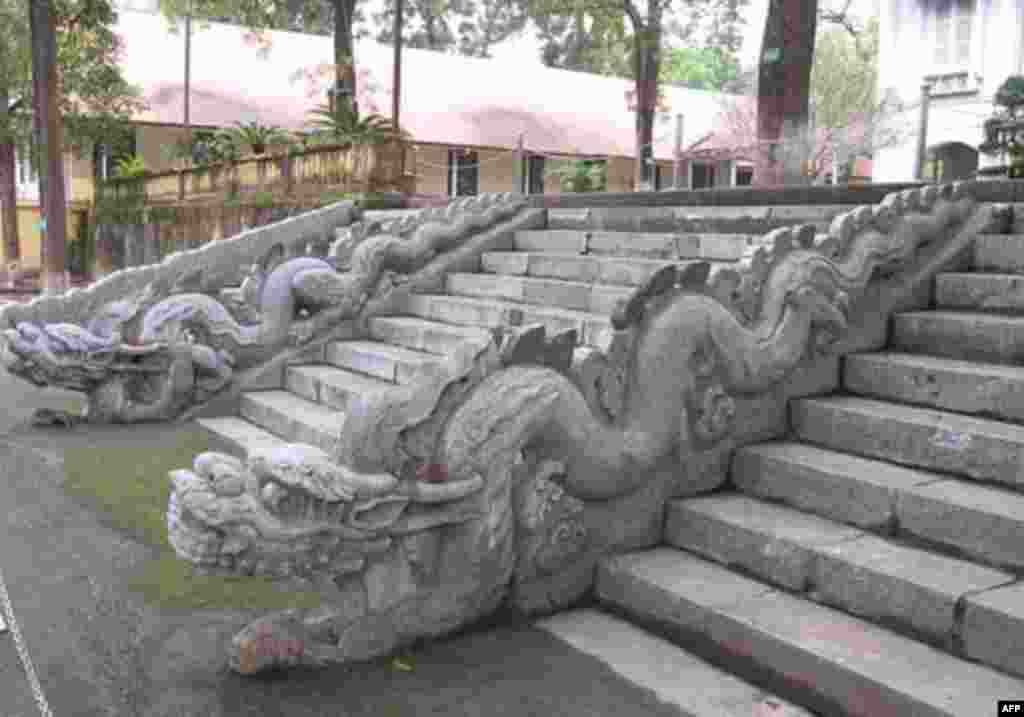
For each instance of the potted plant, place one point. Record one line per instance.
(1004, 130)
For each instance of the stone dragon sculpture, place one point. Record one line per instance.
(526, 470)
(172, 348)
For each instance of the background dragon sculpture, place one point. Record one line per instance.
(172, 348)
(524, 471)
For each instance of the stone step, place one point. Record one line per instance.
(977, 522)
(839, 664)
(977, 448)
(382, 360)
(909, 589)
(750, 219)
(980, 291)
(960, 334)
(293, 418)
(576, 267)
(240, 435)
(988, 389)
(647, 245)
(999, 252)
(592, 329)
(423, 335)
(675, 676)
(574, 295)
(333, 387)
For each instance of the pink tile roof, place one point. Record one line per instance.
(446, 98)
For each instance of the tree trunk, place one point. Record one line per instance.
(44, 66)
(783, 90)
(8, 189)
(646, 59)
(344, 53)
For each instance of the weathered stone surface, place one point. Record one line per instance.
(980, 522)
(391, 363)
(836, 564)
(422, 335)
(575, 267)
(961, 335)
(240, 435)
(847, 488)
(980, 292)
(977, 448)
(333, 387)
(949, 384)
(999, 252)
(675, 676)
(777, 544)
(592, 329)
(993, 627)
(573, 295)
(845, 662)
(294, 418)
(890, 583)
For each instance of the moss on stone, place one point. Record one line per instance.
(122, 473)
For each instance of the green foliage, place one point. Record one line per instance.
(94, 98)
(255, 135)
(1011, 92)
(469, 27)
(844, 76)
(580, 175)
(344, 126)
(130, 167)
(705, 68)
(263, 200)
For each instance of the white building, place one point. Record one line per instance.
(965, 49)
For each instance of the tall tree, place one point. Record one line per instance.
(704, 68)
(783, 88)
(93, 98)
(43, 30)
(469, 27)
(15, 71)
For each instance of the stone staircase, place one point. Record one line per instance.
(566, 276)
(870, 564)
(842, 573)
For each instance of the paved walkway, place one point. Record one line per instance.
(99, 650)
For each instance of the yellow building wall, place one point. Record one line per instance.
(154, 142)
(497, 170)
(430, 165)
(29, 236)
(620, 174)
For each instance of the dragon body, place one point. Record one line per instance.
(155, 356)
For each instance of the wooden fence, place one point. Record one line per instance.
(340, 168)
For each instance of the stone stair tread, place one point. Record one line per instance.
(946, 383)
(980, 291)
(999, 252)
(832, 563)
(332, 386)
(562, 293)
(293, 418)
(593, 329)
(653, 245)
(396, 364)
(978, 448)
(979, 522)
(614, 270)
(242, 435)
(675, 676)
(960, 334)
(832, 657)
(414, 332)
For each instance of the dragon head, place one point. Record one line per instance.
(290, 510)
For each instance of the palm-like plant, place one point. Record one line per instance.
(255, 135)
(344, 126)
